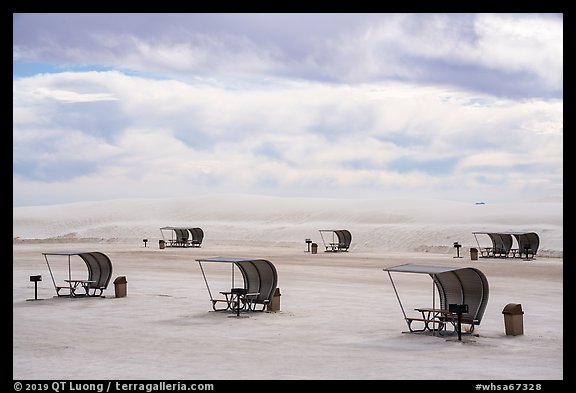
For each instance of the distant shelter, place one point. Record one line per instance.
(526, 244)
(182, 236)
(336, 240)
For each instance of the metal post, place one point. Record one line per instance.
(238, 304)
(50, 270)
(36, 279)
(458, 309)
(457, 247)
(433, 302)
(397, 296)
(70, 275)
(238, 292)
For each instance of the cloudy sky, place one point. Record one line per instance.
(455, 106)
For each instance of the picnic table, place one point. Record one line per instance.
(76, 284)
(237, 299)
(433, 319)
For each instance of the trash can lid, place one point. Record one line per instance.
(513, 308)
(120, 280)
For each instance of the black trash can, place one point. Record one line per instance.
(314, 248)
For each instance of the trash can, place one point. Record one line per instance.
(513, 319)
(274, 305)
(120, 286)
(314, 248)
(474, 254)
(161, 244)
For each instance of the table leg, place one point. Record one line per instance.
(249, 301)
(228, 301)
(73, 289)
(433, 316)
(238, 305)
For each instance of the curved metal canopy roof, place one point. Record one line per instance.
(184, 235)
(455, 285)
(98, 264)
(502, 241)
(344, 239)
(259, 275)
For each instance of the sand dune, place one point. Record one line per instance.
(339, 317)
(387, 224)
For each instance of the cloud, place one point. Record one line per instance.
(72, 96)
(511, 55)
(518, 43)
(165, 138)
(465, 106)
